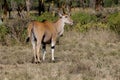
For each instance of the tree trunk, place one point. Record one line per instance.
(116, 1)
(98, 4)
(41, 6)
(83, 3)
(0, 5)
(20, 10)
(5, 9)
(92, 3)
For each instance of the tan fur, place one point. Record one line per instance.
(45, 32)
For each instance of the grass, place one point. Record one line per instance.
(86, 52)
(93, 55)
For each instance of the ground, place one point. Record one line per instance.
(94, 55)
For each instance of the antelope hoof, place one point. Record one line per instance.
(61, 35)
(35, 62)
(39, 61)
(53, 61)
(43, 60)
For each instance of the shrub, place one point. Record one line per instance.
(86, 21)
(95, 25)
(114, 22)
(83, 18)
(13, 31)
(17, 29)
(3, 33)
(108, 3)
(44, 16)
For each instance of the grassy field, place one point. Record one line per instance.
(94, 55)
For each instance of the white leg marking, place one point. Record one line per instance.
(52, 50)
(44, 52)
(52, 54)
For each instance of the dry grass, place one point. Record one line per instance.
(94, 55)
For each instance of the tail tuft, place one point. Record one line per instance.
(28, 39)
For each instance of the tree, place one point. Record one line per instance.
(20, 9)
(41, 7)
(98, 4)
(92, 3)
(116, 1)
(5, 9)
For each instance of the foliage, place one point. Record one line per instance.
(18, 1)
(83, 18)
(13, 32)
(114, 22)
(92, 25)
(108, 3)
(17, 29)
(116, 1)
(3, 33)
(44, 16)
(83, 22)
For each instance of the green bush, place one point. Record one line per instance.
(3, 30)
(92, 25)
(83, 18)
(108, 3)
(114, 22)
(3, 33)
(44, 16)
(13, 31)
(83, 21)
(116, 1)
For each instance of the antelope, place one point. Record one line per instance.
(42, 33)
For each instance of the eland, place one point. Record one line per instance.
(42, 33)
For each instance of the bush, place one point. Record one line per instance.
(114, 22)
(85, 21)
(83, 18)
(17, 29)
(3, 33)
(44, 16)
(108, 3)
(92, 25)
(13, 31)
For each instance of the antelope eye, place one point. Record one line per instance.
(66, 16)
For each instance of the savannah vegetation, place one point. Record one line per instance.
(88, 50)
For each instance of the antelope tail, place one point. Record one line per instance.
(29, 31)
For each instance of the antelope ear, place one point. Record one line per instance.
(60, 15)
(69, 14)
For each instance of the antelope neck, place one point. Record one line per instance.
(59, 25)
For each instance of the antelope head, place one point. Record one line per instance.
(66, 19)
